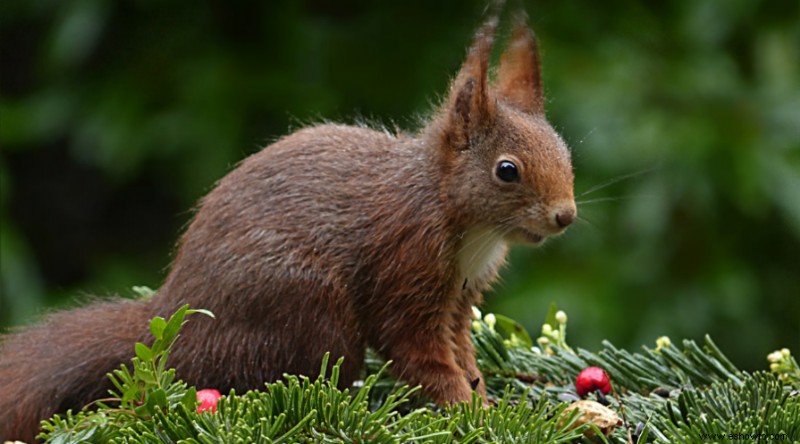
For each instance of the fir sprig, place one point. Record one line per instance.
(670, 394)
(139, 395)
(676, 394)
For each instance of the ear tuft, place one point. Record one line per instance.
(463, 106)
(519, 80)
(469, 108)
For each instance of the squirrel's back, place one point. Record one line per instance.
(308, 234)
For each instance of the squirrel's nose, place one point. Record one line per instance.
(563, 219)
(564, 214)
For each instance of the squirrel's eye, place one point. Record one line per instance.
(507, 171)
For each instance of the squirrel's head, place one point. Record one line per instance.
(506, 168)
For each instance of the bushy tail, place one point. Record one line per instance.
(61, 363)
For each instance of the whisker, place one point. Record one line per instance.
(507, 230)
(500, 223)
(486, 239)
(587, 135)
(481, 242)
(473, 241)
(498, 231)
(610, 182)
(585, 221)
(604, 199)
(503, 230)
(588, 222)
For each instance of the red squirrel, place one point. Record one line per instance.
(333, 239)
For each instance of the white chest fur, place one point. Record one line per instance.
(480, 254)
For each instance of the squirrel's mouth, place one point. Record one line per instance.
(524, 236)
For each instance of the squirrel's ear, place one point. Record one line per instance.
(519, 80)
(469, 105)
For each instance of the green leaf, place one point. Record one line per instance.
(159, 398)
(143, 352)
(551, 316)
(189, 399)
(201, 311)
(146, 376)
(174, 324)
(512, 327)
(144, 410)
(157, 326)
(131, 393)
(143, 291)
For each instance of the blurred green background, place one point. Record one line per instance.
(116, 116)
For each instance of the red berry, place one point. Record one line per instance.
(208, 400)
(591, 379)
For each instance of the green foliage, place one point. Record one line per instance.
(679, 395)
(153, 407)
(759, 404)
(689, 395)
(147, 392)
(150, 387)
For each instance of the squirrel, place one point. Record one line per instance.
(333, 239)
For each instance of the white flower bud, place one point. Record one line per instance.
(476, 314)
(490, 320)
(561, 317)
(785, 352)
(662, 342)
(775, 356)
(547, 330)
(543, 341)
(774, 366)
(476, 326)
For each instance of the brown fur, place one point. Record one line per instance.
(334, 238)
